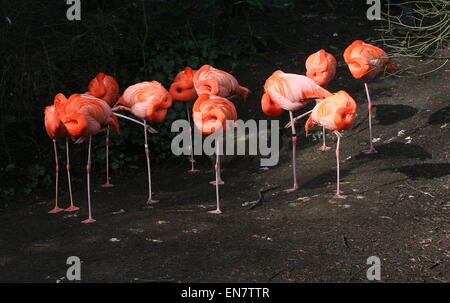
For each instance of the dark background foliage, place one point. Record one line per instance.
(43, 54)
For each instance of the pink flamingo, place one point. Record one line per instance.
(182, 89)
(106, 88)
(148, 101)
(210, 114)
(365, 61)
(56, 130)
(321, 67)
(335, 113)
(215, 82)
(83, 116)
(283, 91)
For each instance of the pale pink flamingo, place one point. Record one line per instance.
(335, 113)
(148, 101)
(283, 91)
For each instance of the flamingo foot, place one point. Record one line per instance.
(324, 148)
(107, 184)
(88, 220)
(193, 170)
(290, 190)
(339, 196)
(72, 208)
(55, 210)
(221, 182)
(216, 212)
(151, 201)
(369, 151)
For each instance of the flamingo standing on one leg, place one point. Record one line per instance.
(335, 113)
(106, 88)
(210, 114)
(283, 91)
(215, 82)
(365, 61)
(56, 130)
(321, 67)
(182, 89)
(148, 101)
(83, 116)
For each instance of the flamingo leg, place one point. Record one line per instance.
(338, 192)
(88, 173)
(324, 146)
(219, 178)
(193, 169)
(147, 155)
(372, 149)
(294, 145)
(107, 184)
(71, 207)
(217, 211)
(56, 209)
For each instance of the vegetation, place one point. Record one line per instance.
(43, 54)
(417, 29)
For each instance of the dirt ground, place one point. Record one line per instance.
(397, 206)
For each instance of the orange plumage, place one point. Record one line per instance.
(104, 87)
(365, 61)
(283, 91)
(84, 115)
(147, 100)
(336, 112)
(182, 88)
(321, 67)
(211, 81)
(210, 113)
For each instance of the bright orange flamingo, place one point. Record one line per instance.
(283, 91)
(210, 114)
(182, 89)
(83, 116)
(57, 130)
(365, 61)
(148, 101)
(106, 88)
(211, 81)
(335, 113)
(321, 67)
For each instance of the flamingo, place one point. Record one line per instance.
(215, 82)
(283, 91)
(365, 61)
(83, 116)
(182, 89)
(210, 114)
(106, 88)
(148, 101)
(321, 67)
(57, 130)
(335, 113)
(211, 81)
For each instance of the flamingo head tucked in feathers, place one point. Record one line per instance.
(182, 89)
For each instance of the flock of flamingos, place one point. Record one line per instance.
(81, 116)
